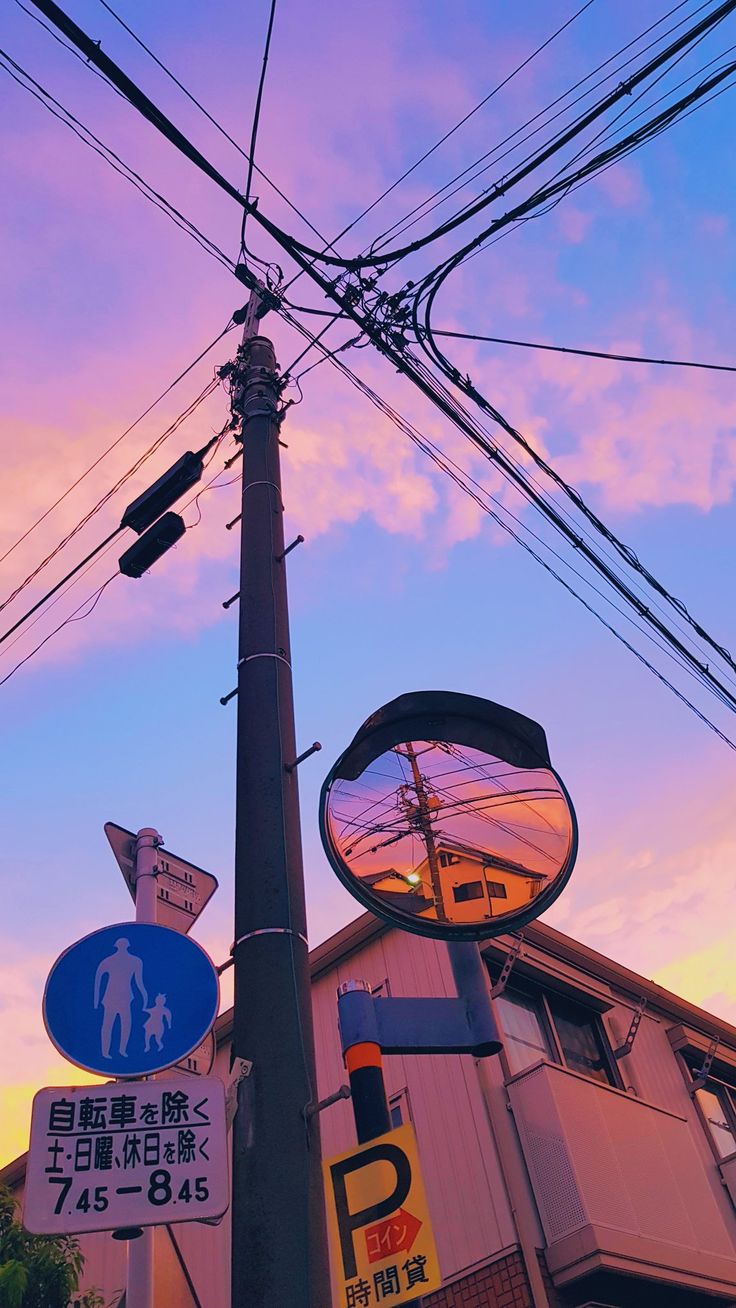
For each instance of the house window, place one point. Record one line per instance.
(398, 1107)
(526, 1035)
(541, 1024)
(448, 860)
(496, 890)
(717, 1104)
(471, 890)
(581, 1040)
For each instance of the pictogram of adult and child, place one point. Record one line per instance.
(116, 980)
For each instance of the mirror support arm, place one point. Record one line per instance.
(465, 1025)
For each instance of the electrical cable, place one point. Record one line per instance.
(427, 205)
(516, 474)
(466, 385)
(209, 389)
(107, 545)
(460, 418)
(114, 161)
(154, 115)
(588, 354)
(556, 190)
(69, 49)
(117, 441)
(688, 38)
(39, 603)
(256, 121)
(76, 616)
(408, 429)
(440, 397)
(499, 87)
(193, 99)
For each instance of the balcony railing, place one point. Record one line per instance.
(620, 1184)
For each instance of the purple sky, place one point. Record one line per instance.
(402, 583)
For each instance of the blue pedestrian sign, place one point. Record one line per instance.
(131, 999)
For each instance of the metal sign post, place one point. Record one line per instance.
(182, 890)
(470, 833)
(139, 1288)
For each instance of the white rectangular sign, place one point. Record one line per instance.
(133, 1153)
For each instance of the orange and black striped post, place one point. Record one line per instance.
(364, 1065)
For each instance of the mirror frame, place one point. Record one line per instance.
(461, 720)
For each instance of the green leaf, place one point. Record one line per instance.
(13, 1282)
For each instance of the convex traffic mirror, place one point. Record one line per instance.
(445, 817)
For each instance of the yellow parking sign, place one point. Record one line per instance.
(381, 1241)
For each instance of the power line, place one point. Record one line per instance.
(154, 115)
(116, 442)
(481, 103)
(69, 49)
(256, 121)
(101, 550)
(198, 104)
(88, 559)
(76, 616)
(553, 147)
(58, 110)
(447, 465)
(552, 192)
(405, 363)
(209, 389)
(589, 354)
(403, 224)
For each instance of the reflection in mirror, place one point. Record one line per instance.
(441, 831)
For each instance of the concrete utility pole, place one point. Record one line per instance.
(139, 1293)
(279, 1240)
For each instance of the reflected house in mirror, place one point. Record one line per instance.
(460, 832)
(473, 884)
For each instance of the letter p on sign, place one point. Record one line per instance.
(381, 1243)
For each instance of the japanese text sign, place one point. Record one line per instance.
(381, 1241)
(126, 1154)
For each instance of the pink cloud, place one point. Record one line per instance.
(622, 186)
(573, 224)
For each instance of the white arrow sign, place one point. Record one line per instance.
(183, 889)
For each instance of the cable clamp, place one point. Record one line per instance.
(249, 657)
(273, 486)
(269, 931)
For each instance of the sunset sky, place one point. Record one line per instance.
(402, 582)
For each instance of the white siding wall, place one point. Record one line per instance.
(465, 1188)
